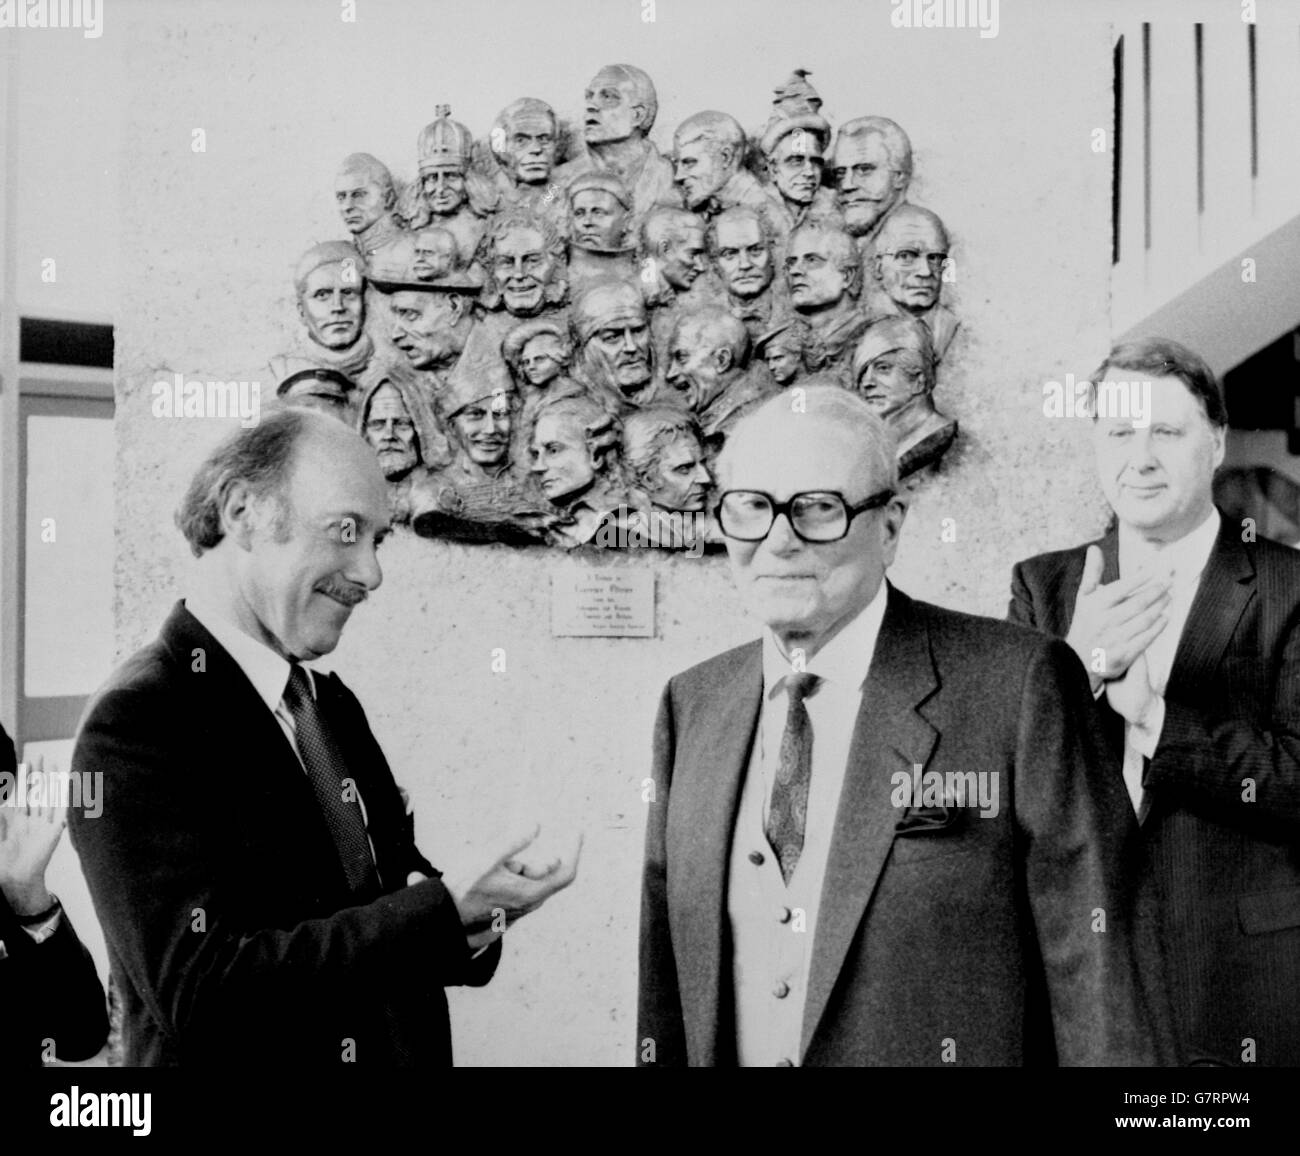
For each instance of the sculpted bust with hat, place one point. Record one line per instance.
(894, 372)
(611, 332)
(449, 192)
(600, 229)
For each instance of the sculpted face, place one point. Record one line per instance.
(909, 262)
(598, 219)
(561, 458)
(807, 589)
(444, 189)
(483, 428)
(620, 347)
(700, 170)
(301, 579)
(1158, 478)
(891, 380)
(531, 144)
(435, 255)
(361, 201)
(609, 112)
(332, 306)
(523, 269)
(784, 361)
(680, 480)
(542, 359)
(390, 430)
(682, 260)
(796, 166)
(696, 365)
(867, 184)
(744, 259)
(815, 279)
(423, 326)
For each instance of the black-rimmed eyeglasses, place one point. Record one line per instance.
(814, 515)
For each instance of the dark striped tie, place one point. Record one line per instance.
(788, 810)
(326, 772)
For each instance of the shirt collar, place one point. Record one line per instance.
(844, 661)
(1187, 557)
(266, 670)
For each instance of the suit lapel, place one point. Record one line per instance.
(1226, 586)
(889, 735)
(707, 808)
(271, 776)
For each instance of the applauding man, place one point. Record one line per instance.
(1190, 630)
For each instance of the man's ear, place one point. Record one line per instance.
(302, 313)
(723, 358)
(1219, 433)
(456, 303)
(238, 511)
(390, 198)
(728, 155)
(639, 109)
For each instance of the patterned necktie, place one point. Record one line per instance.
(326, 772)
(788, 810)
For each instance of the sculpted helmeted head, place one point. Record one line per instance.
(329, 283)
(707, 349)
(674, 240)
(363, 191)
(600, 210)
(911, 250)
(619, 104)
(822, 268)
(664, 456)
(444, 148)
(525, 140)
(782, 350)
(740, 243)
(708, 150)
(526, 268)
(871, 166)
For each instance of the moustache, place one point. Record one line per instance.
(344, 592)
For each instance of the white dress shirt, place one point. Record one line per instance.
(773, 925)
(266, 670)
(1186, 559)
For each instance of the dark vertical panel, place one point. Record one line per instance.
(1146, 135)
(1200, 118)
(1254, 105)
(1117, 151)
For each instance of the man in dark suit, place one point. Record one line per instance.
(254, 867)
(881, 835)
(1190, 627)
(54, 1002)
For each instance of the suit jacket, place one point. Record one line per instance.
(231, 930)
(67, 1002)
(1226, 871)
(935, 924)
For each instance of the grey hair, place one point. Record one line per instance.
(261, 457)
(820, 398)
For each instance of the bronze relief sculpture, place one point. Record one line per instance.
(548, 332)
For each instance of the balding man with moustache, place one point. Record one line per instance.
(882, 834)
(254, 867)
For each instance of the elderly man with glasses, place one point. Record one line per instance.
(882, 834)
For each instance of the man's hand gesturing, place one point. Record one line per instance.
(1115, 623)
(490, 899)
